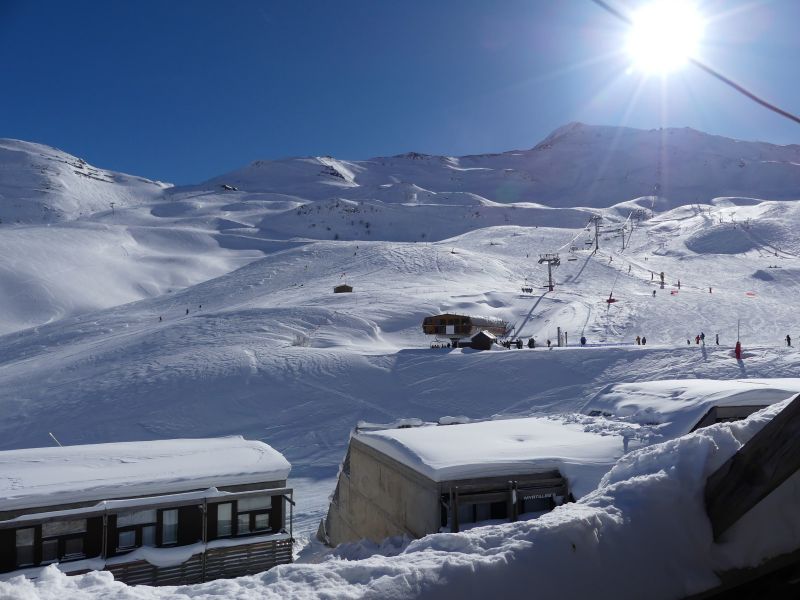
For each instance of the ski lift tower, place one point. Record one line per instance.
(552, 261)
(596, 220)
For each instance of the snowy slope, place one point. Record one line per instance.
(39, 184)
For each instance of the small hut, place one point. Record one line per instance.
(343, 289)
(483, 340)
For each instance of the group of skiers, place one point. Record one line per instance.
(641, 341)
(199, 306)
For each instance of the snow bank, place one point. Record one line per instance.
(642, 534)
(44, 476)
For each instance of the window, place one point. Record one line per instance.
(246, 516)
(25, 539)
(73, 548)
(49, 550)
(126, 539)
(136, 518)
(224, 523)
(481, 511)
(252, 514)
(169, 526)
(136, 528)
(63, 540)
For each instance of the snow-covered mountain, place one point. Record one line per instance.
(576, 165)
(39, 184)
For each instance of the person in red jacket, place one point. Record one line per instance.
(738, 350)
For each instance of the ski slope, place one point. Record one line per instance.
(203, 311)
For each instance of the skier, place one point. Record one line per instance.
(688, 343)
(679, 284)
(654, 293)
(703, 338)
(644, 341)
(160, 319)
(738, 350)
(548, 343)
(717, 340)
(519, 344)
(187, 311)
(788, 340)
(697, 339)
(638, 341)
(709, 290)
(583, 340)
(531, 343)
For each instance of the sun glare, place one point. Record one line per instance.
(664, 34)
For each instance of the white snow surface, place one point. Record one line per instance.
(642, 534)
(500, 447)
(37, 477)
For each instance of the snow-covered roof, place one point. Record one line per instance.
(679, 404)
(497, 448)
(36, 477)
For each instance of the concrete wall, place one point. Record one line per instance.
(377, 497)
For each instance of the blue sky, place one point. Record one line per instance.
(183, 90)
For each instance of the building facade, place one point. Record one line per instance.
(192, 531)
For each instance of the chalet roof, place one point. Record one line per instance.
(486, 334)
(37, 477)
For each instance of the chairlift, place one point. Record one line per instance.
(527, 288)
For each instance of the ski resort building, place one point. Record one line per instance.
(414, 481)
(456, 327)
(166, 512)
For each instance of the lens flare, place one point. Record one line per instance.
(664, 35)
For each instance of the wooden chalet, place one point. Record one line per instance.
(461, 326)
(167, 512)
(483, 340)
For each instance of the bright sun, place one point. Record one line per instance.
(664, 34)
